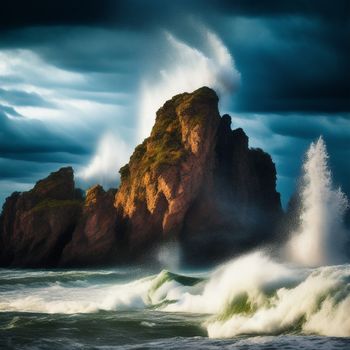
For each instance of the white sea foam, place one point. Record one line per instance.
(309, 306)
(240, 275)
(256, 295)
(59, 298)
(252, 294)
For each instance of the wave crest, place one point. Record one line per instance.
(252, 294)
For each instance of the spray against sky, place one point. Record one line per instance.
(321, 236)
(112, 152)
(188, 69)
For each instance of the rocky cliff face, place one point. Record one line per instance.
(166, 171)
(239, 208)
(194, 181)
(52, 225)
(94, 241)
(36, 225)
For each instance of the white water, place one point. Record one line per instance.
(322, 235)
(317, 303)
(249, 295)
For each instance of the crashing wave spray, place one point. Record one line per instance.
(321, 236)
(189, 69)
(112, 153)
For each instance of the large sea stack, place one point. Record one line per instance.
(194, 181)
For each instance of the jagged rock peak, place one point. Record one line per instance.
(58, 185)
(37, 224)
(165, 171)
(93, 194)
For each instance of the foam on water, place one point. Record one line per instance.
(315, 302)
(81, 297)
(256, 295)
(252, 294)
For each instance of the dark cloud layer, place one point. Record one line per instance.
(140, 13)
(300, 65)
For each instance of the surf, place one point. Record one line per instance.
(252, 294)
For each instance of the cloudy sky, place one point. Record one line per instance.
(80, 80)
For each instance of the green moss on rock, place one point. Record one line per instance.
(124, 172)
(53, 203)
(165, 147)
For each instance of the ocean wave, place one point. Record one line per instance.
(252, 294)
(317, 304)
(40, 278)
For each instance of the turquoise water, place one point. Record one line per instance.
(249, 303)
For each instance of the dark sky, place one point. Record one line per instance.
(80, 80)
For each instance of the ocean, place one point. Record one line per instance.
(252, 302)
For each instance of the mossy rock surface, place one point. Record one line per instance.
(165, 147)
(53, 203)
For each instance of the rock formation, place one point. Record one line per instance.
(167, 170)
(36, 225)
(239, 207)
(94, 241)
(194, 181)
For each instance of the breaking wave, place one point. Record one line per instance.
(249, 295)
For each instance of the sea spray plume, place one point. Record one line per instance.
(112, 153)
(169, 255)
(190, 69)
(322, 235)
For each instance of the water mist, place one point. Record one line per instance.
(321, 236)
